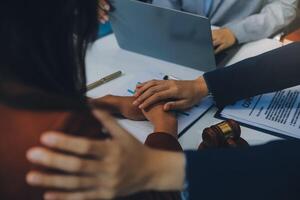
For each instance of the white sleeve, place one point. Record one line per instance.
(274, 16)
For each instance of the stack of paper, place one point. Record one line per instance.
(277, 112)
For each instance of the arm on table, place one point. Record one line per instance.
(120, 106)
(273, 17)
(269, 72)
(264, 172)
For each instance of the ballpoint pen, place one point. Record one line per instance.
(104, 80)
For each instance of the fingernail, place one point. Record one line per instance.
(106, 18)
(168, 107)
(165, 108)
(33, 178)
(35, 155)
(135, 103)
(141, 106)
(49, 139)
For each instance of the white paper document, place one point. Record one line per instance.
(278, 112)
(141, 129)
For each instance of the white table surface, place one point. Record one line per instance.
(105, 57)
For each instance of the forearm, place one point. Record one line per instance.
(272, 71)
(166, 126)
(167, 171)
(271, 171)
(272, 18)
(107, 103)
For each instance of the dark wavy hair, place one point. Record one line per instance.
(43, 43)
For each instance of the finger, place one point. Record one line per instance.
(138, 87)
(177, 105)
(112, 126)
(72, 144)
(217, 42)
(145, 87)
(220, 48)
(104, 5)
(215, 34)
(142, 84)
(150, 92)
(60, 181)
(104, 15)
(101, 193)
(156, 98)
(58, 161)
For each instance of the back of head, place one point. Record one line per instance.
(43, 43)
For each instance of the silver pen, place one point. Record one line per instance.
(104, 80)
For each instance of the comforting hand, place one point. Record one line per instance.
(103, 169)
(223, 39)
(117, 105)
(104, 8)
(163, 121)
(179, 95)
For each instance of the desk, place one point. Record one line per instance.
(105, 57)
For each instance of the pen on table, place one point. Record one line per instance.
(104, 80)
(169, 77)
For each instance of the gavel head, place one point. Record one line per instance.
(224, 134)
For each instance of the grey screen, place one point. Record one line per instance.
(166, 34)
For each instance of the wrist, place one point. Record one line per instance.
(232, 38)
(201, 86)
(108, 103)
(166, 126)
(166, 171)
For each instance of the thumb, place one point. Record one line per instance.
(110, 124)
(220, 48)
(176, 105)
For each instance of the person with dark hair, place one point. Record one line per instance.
(269, 171)
(43, 87)
(42, 80)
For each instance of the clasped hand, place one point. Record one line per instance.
(178, 95)
(104, 177)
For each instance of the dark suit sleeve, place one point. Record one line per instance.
(270, 171)
(276, 70)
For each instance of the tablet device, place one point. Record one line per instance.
(166, 34)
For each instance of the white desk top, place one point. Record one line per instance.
(105, 57)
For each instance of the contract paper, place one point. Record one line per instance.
(141, 129)
(277, 112)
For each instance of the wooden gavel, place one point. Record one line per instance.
(226, 134)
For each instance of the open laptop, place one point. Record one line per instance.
(166, 34)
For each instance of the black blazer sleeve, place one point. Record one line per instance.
(265, 172)
(269, 72)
